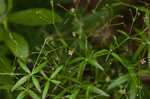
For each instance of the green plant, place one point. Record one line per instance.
(51, 51)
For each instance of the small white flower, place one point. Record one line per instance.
(70, 52)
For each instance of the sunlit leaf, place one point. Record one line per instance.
(100, 53)
(21, 95)
(39, 67)
(20, 82)
(23, 66)
(77, 59)
(46, 87)
(36, 83)
(122, 32)
(118, 58)
(56, 72)
(96, 90)
(33, 95)
(55, 82)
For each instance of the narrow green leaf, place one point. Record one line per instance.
(55, 82)
(118, 81)
(63, 42)
(101, 53)
(74, 93)
(33, 95)
(133, 87)
(34, 17)
(77, 59)
(122, 32)
(56, 72)
(23, 66)
(43, 74)
(140, 48)
(118, 58)
(38, 68)
(87, 91)
(143, 37)
(59, 95)
(20, 82)
(95, 63)
(36, 83)
(147, 15)
(81, 69)
(45, 90)
(21, 95)
(18, 45)
(96, 90)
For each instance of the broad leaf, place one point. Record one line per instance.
(18, 45)
(33, 17)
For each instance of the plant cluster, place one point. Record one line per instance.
(63, 49)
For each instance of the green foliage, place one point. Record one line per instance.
(17, 45)
(33, 17)
(2, 4)
(98, 49)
